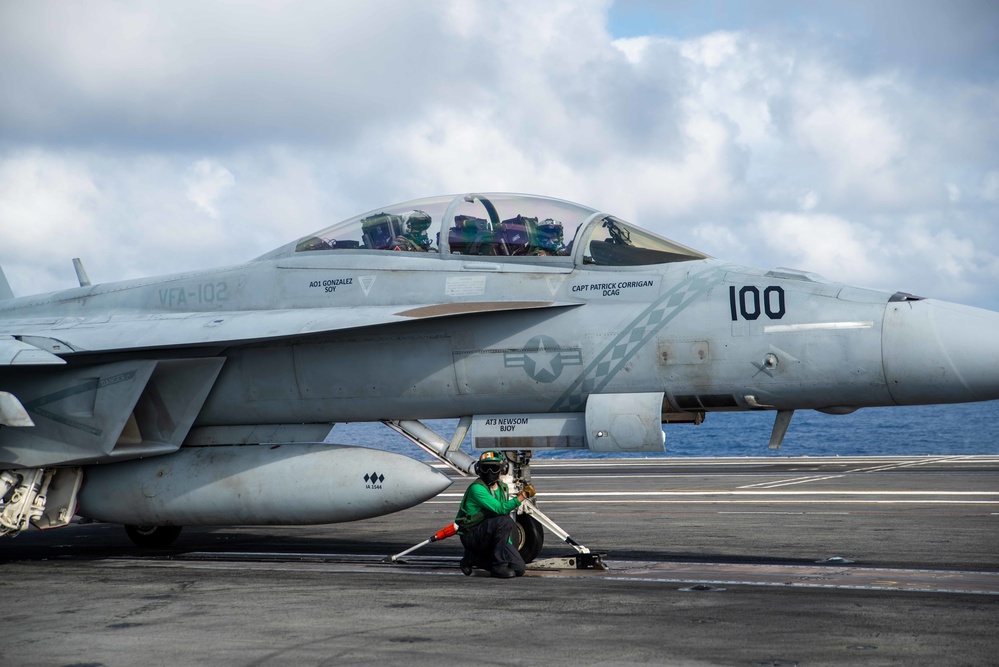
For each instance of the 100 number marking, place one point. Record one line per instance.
(748, 303)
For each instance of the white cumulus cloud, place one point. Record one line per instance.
(156, 137)
(207, 181)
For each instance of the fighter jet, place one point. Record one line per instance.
(535, 322)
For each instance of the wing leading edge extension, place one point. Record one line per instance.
(136, 332)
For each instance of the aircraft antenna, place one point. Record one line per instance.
(81, 273)
(5, 291)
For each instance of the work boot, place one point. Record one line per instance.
(466, 567)
(503, 572)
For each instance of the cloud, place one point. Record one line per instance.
(858, 252)
(990, 187)
(207, 181)
(930, 38)
(48, 210)
(158, 137)
(214, 74)
(825, 244)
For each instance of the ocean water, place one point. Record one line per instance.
(968, 428)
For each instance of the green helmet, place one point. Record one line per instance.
(490, 466)
(418, 221)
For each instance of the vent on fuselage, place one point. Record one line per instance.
(706, 401)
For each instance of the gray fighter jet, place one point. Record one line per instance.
(535, 322)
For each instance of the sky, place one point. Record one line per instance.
(856, 140)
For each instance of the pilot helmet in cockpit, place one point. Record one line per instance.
(417, 224)
(550, 237)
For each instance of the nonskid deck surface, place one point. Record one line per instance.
(899, 513)
(711, 561)
(832, 573)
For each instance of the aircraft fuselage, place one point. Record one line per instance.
(532, 339)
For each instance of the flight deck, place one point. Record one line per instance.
(775, 561)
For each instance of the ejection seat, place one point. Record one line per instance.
(471, 236)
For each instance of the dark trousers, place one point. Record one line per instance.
(488, 545)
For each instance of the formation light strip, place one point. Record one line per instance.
(816, 326)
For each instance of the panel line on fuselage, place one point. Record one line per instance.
(616, 354)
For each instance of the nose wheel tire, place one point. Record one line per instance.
(529, 538)
(154, 537)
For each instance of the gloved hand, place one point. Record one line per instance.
(528, 491)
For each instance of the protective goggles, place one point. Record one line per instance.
(491, 466)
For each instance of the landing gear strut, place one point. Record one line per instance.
(530, 520)
(520, 469)
(41, 497)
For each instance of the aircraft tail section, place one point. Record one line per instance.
(5, 291)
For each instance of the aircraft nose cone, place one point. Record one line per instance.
(939, 352)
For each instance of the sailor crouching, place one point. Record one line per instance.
(484, 523)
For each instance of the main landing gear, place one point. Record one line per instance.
(531, 521)
(152, 537)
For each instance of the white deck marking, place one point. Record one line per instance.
(882, 468)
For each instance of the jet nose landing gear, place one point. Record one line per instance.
(530, 537)
(531, 521)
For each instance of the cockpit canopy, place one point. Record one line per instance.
(521, 228)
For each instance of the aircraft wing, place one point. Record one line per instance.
(17, 353)
(14, 352)
(144, 331)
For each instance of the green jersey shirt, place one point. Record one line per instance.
(479, 504)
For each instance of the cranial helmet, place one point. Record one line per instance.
(418, 221)
(490, 466)
(550, 236)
